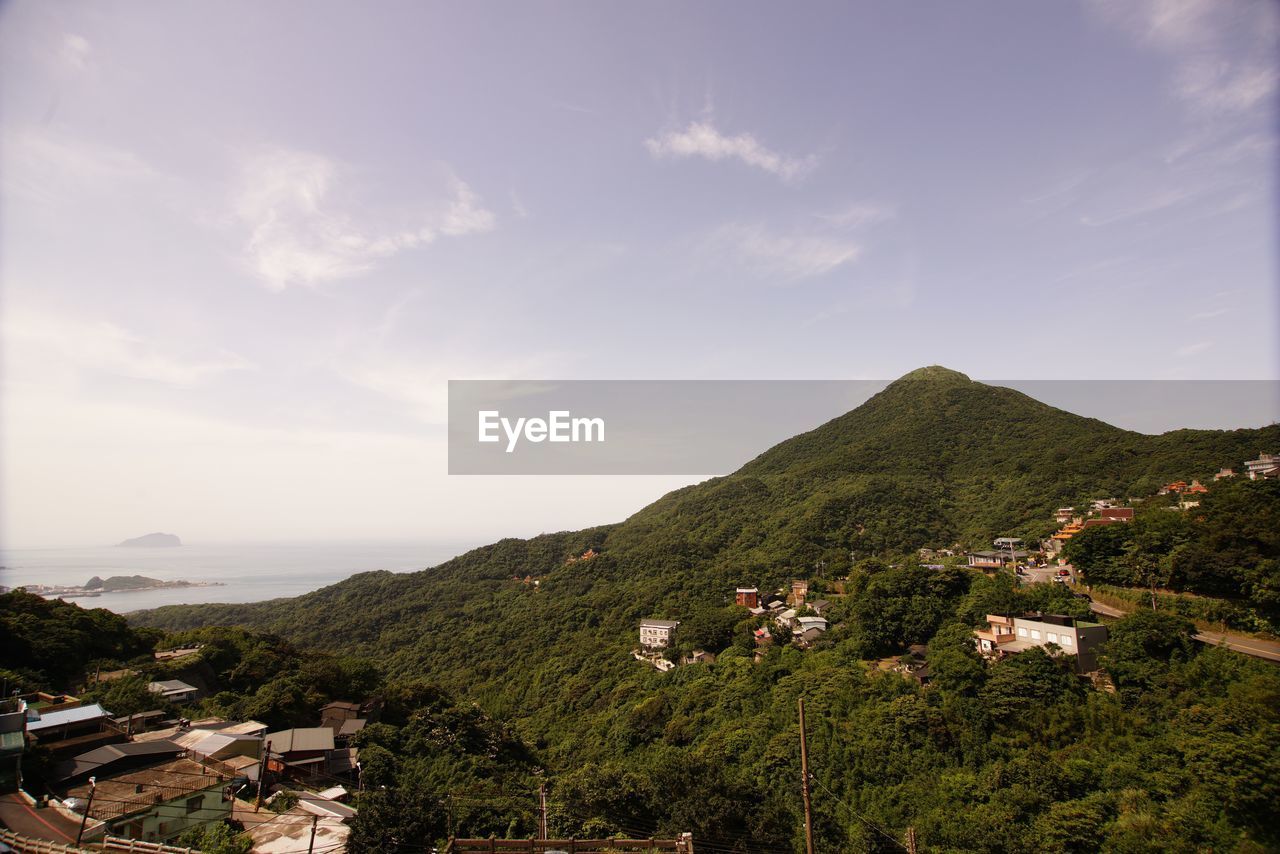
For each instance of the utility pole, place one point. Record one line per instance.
(311, 846)
(262, 772)
(93, 787)
(804, 782)
(542, 811)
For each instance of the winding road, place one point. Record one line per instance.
(1266, 650)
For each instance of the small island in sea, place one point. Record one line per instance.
(153, 541)
(115, 584)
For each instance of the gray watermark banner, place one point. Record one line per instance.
(713, 427)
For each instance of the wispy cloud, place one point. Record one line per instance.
(1194, 349)
(1157, 202)
(786, 256)
(74, 52)
(40, 345)
(298, 233)
(857, 216)
(1224, 53)
(43, 165)
(702, 139)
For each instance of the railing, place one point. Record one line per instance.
(116, 843)
(682, 845)
(29, 845)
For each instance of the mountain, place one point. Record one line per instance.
(935, 459)
(153, 541)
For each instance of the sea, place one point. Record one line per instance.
(245, 572)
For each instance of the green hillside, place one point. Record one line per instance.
(934, 459)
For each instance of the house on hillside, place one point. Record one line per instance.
(174, 690)
(301, 751)
(1063, 514)
(1102, 504)
(799, 592)
(995, 559)
(818, 606)
(1224, 473)
(157, 803)
(1006, 635)
(71, 731)
(747, 597)
(1266, 465)
(657, 634)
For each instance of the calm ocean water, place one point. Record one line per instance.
(247, 572)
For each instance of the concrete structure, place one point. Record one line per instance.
(747, 597)
(13, 742)
(657, 634)
(1063, 514)
(1009, 635)
(799, 592)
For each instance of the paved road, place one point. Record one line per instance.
(20, 817)
(1267, 650)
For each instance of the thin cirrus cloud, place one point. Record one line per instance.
(43, 346)
(302, 233)
(781, 256)
(1212, 74)
(702, 139)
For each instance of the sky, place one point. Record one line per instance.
(244, 246)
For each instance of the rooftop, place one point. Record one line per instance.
(79, 714)
(660, 624)
(88, 763)
(302, 739)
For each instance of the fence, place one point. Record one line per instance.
(30, 845)
(683, 845)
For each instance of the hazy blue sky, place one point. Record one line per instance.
(246, 244)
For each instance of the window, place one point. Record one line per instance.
(1035, 634)
(1022, 632)
(1066, 640)
(1053, 638)
(194, 804)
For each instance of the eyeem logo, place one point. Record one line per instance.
(558, 426)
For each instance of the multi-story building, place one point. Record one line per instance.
(747, 597)
(1006, 635)
(657, 634)
(1266, 465)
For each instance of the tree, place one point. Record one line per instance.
(1141, 647)
(216, 838)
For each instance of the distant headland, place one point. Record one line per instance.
(96, 586)
(153, 541)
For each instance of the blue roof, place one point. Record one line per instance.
(66, 716)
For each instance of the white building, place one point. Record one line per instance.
(1009, 635)
(657, 634)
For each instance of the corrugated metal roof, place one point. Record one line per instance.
(80, 714)
(309, 738)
